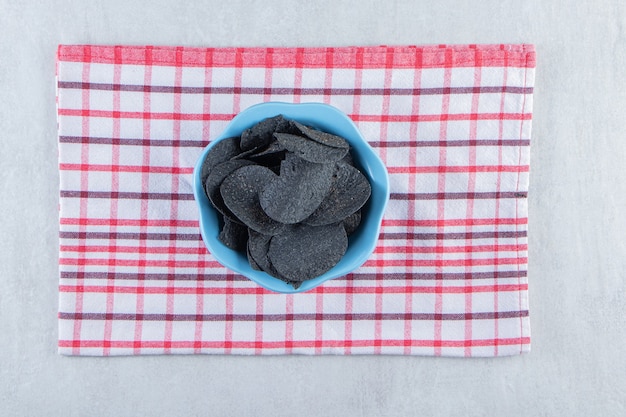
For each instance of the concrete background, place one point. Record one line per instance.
(577, 223)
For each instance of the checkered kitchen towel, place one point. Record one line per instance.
(452, 124)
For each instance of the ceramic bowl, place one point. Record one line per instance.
(361, 243)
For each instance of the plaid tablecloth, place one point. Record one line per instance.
(452, 124)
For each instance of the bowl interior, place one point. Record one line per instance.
(324, 117)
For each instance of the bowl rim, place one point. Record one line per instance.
(308, 113)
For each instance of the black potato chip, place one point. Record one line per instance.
(310, 150)
(347, 159)
(297, 191)
(270, 156)
(325, 138)
(352, 222)
(304, 252)
(261, 133)
(221, 152)
(251, 260)
(234, 235)
(245, 154)
(348, 193)
(214, 181)
(240, 191)
(258, 247)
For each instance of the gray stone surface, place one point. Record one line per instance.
(576, 202)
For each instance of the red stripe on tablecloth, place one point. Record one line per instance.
(497, 202)
(467, 249)
(412, 180)
(471, 186)
(148, 115)
(289, 323)
(148, 344)
(297, 80)
(319, 308)
(454, 235)
(84, 184)
(228, 322)
(258, 328)
(115, 184)
(206, 129)
(401, 276)
(439, 263)
(145, 115)
(129, 222)
(237, 81)
(381, 249)
(438, 118)
(269, 64)
(328, 78)
(145, 185)
(384, 139)
(206, 98)
(441, 190)
(85, 166)
(131, 235)
(454, 222)
(141, 262)
(421, 289)
(430, 56)
(383, 134)
(172, 249)
(452, 168)
(517, 209)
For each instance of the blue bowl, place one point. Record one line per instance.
(361, 243)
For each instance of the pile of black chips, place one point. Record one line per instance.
(289, 196)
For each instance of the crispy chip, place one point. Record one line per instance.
(348, 193)
(234, 235)
(325, 138)
(221, 152)
(260, 134)
(303, 252)
(297, 191)
(214, 181)
(310, 150)
(240, 191)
